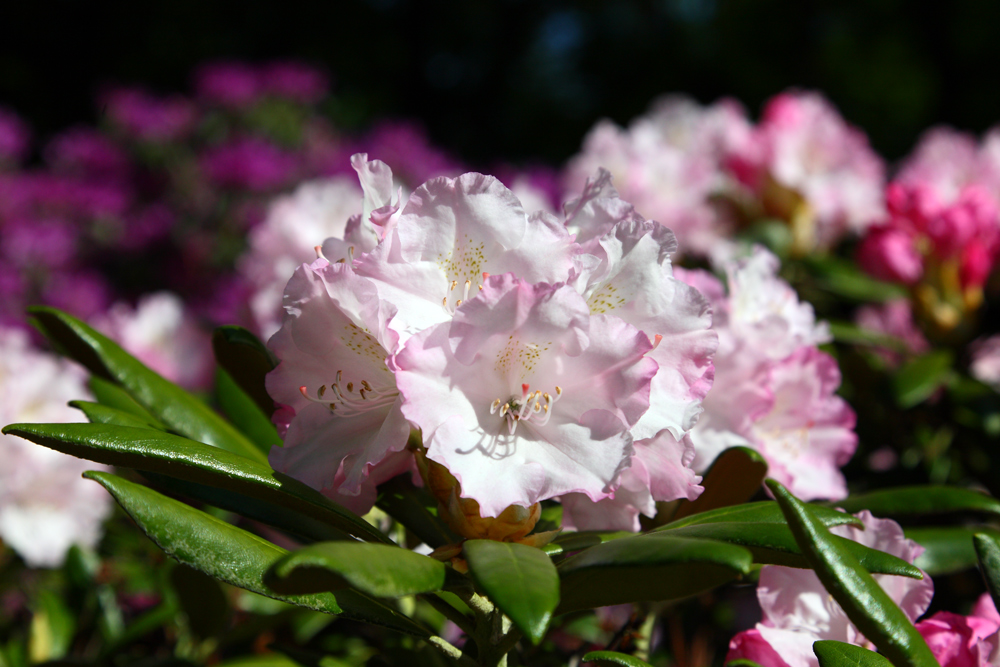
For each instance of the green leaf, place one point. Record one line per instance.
(153, 451)
(649, 567)
(576, 541)
(764, 511)
(416, 509)
(843, 278)
(176, 408)
(845, 332)
(988, 550)
(946, 549)
(52, 628)
(867, 606)
(774, 544)
(832, 653)
(379, 570)
(520, 580)
(918, 500)
(245, 358)
(231, 554)
(735, 476)
(98, 413)
(743, 662)
(244, 413)
(614, 659)
(109, 394)
(918, 379)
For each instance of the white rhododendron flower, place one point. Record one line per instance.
(45, 506)
(535, 362)
(160, 333)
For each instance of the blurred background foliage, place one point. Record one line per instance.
(525, 79)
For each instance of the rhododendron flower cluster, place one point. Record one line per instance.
(943, 251)
(798, 611)
(534, 362)
(704, 171)
(45, 506)
(774, 390)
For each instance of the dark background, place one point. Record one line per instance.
(518, 79)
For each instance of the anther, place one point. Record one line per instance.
(656, 341)
(350, 386)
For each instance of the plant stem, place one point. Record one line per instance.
(452, 614)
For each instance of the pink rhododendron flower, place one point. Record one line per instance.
(808, 166)
(526, 396)
(337, 392)
(773, 391)
(948, 161)
(294, 226)
(14, 137)
(964, 641)
(893, 318)
(227, 83)
(149, 118)
(668, 164)
(295, 81)
(162, 335)
(798, 611)
(985, 364)
(45, 506)
(250, 163)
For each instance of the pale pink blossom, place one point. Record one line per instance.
(985, 364)
(45, 506)
(669, 164)
(893, 318)
(162, 334)
(525, 395)
(805, 147)
(948, 161)
(340, 409)
(295, 224)
(798, 611)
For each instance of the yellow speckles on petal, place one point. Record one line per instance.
(364, 345)
(465, 262)
(519, 358)
(605, 300)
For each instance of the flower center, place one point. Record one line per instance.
(532, 405)
(456, 289)
(351, 399)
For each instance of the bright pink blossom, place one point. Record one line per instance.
(146, 117)
(249, 163)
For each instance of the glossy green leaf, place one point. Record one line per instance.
(416, 509)
(649, 567)
(988, 550)
(379, 570)
(846, 332)
(244, 413)
(110, 394)
(832, 653)
(947, 549)
(867, 606)
(98, 413)
(520, 580)
(613, 659)
(845, 279)
(176, 408)
(774, 544)
(247, 361)
(174, 456)
(918, 379)
(918, 500)
(765, 511)
(576, 541)
(735, 476)
(231, 554)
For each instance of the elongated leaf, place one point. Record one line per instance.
(843, 278)
(656, 566)
(244, 413)
(110, 394)
(867, 606)
(379, 570)
(176, 408)
(567, 542)
(299, 525)
(231, 554)
(918, 379)
(97, 413)
(765, 511)
(918, 500)
(520, 580)
(247, 361)
(774, 544)
(174, 456)
(845, 332)
(415, 509)
(735, 476)
(946, 549)
(988, 550)
(840, 654)
(614, 659)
